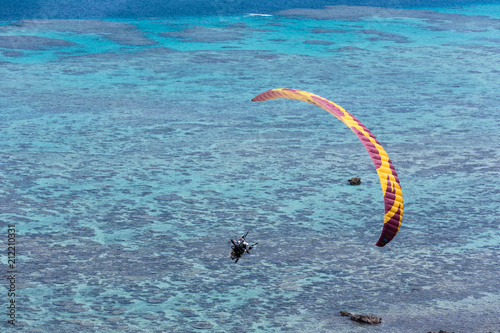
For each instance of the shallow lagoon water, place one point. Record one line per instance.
(131, 154)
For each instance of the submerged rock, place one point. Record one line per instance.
(364, 319)
(355, 181)
(370, 320)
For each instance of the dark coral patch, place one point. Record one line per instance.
(34, 43)
(120, 32)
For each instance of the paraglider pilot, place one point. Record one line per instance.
(240, 247)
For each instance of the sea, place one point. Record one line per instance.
(131, 154)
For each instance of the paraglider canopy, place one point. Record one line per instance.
(391, 189)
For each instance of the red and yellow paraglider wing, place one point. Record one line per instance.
(393, 195)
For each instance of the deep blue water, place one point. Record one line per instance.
(130, 153)
(13, 9)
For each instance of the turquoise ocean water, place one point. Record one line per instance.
(131, 153)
